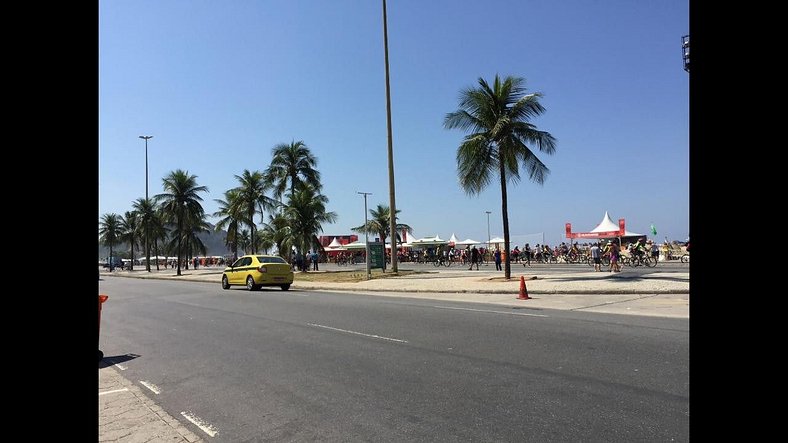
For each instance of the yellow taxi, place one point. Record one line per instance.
(255, 271)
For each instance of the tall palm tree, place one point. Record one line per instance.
(109, 233)
(244, 241)
(231, 215)
(251, 195)
(158, 233)
(380, 224)
(499, 120)
(129, 225)
(293, 163)
(180, 203)
(277, 233)
(306, 212)
(146, 212)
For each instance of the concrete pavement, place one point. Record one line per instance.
(127, 414)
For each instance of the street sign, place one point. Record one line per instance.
(376, 255)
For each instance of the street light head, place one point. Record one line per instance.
(146, 137)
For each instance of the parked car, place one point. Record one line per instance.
(256, 271)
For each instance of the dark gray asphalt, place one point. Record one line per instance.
(291, 366)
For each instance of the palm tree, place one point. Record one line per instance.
(499, 120)
(181, 204)
(146, 212)
(277, 233)
(129, 225)
(306, 212)
(251, 197)
(380, 224)
(244, 241)
(295, 163)
(231, 215)
(109, 233)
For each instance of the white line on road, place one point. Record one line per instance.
(494, 312)
(120, 366)
(113, 391)
(200, 423)
(358, 333)
(151, 386)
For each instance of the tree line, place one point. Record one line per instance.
(170, 221)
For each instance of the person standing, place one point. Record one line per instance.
(497, 255)
(596, 256)
(474, 258)
(315, 258)
(527, 253)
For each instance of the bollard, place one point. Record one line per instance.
(102, 299)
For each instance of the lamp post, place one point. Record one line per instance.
(147, 244)
(488, 232)
(366, 233)
(392, 205)
(685, 55)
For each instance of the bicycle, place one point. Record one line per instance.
(684, 258)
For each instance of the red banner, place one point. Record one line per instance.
(605, 234)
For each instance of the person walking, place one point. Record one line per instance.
(596, 256)
(474, 258)
(527, 254)
(315, 258)
(497, 255)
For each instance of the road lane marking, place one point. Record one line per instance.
(200, 423)
(113, 391)
(120, 366)
(151, 386)
(358, 333)
(494, 312)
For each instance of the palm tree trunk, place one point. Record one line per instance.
(251, 221)
(147, 252)
(179, 244)
(383, 239)
(111, 262)
(131, 263)
(507, 268)
(156, 249)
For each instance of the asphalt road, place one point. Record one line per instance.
(306, 366)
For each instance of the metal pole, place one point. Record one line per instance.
(392, 204)
(488, 234)
(366, 234)
(147, 243)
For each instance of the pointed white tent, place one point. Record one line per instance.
(467, 241)
(453, 240)
(335, 246)
(607, 225)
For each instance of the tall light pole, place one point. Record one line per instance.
(488, 231)
(392, 205)
(147, 244)
(366, 234)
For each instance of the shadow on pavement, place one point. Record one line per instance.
(115, 359)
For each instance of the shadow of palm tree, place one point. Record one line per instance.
(115, 359)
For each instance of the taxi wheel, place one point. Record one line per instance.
(225, 283)
(250, 283)
(286, 287)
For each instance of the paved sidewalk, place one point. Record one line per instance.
(127, 415)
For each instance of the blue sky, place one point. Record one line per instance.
(219, 84)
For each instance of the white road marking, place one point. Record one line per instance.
(120, 366)
(494, 312)
(200, 423)
(151, 386)
(358, 333)
(113, 391)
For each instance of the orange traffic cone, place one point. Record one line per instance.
(523, 291)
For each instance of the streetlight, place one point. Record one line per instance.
(393, 206)
(146, 138)
(685, 52)
(488, 232)
(366, 234)
(147, 244)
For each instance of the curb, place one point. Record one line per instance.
(436, 291)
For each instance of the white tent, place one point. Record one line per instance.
(453, 240)
(607, 225)
(429, 241)
(467, 241)
(356, 245)
(335, 246)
